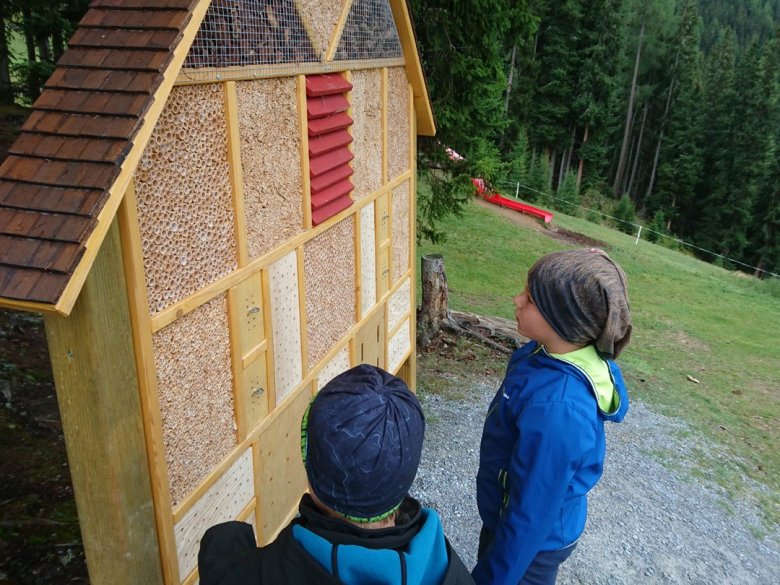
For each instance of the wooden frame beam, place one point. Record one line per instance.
(94, 366)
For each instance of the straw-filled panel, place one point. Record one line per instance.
(329, 269)
(285, 324)
(366, 131)
(398, 131)
(397, 348)
(223, 501)
(367, 258)
(338, 364)
(185, 208)
(400, 229)
(194, 380)
(399, 304)
(270, 162)
(320, 19)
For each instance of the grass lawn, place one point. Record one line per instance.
(690, 319)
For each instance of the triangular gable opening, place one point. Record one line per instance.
(369, 33)
(247, 32)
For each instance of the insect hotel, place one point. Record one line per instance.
(212, 204)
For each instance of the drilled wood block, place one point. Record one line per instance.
(282, 479)
(339, 363)
(400, 304)
(270, 162)
(400, 228)
(367, 259)
(398, 347)
(223, 501)
(254, 392)
(366, 131)
(185, 206)
(195, 385)
(285, 324)
(398, 131)
(246, 306)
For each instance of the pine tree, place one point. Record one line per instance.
(551, 121)
(463, 50)
(680, 156)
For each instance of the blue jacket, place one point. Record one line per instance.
(542, 451)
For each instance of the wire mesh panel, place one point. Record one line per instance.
(369, 32)
(250, 32)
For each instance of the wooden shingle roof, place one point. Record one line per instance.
(59, 172)
(64, 177)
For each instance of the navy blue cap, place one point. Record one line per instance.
(361, 441)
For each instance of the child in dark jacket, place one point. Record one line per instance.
(361, 441)
(543, 442)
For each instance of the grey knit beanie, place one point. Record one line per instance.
(583, 295)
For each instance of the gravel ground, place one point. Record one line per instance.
(648, 523)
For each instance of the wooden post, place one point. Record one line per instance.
(433, 310)
(97, 390)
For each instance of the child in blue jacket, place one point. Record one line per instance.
(543, 443)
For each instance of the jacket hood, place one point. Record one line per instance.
(414, 552)
(602, 376)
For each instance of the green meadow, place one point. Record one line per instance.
(691, 320)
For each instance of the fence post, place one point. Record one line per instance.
(639, 233)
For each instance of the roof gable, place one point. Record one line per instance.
(66, 174)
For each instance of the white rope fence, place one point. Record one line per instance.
(517, 186)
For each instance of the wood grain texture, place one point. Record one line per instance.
(113, 494)
(224, 501)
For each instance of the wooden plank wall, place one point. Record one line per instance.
(287, 307)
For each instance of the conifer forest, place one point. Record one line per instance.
(660, 113)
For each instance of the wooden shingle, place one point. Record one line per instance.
(45, 226)
(68, 147)
(142, 18)
(59, 172)
(81, 202)
(31, 284)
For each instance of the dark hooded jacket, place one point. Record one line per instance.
(317, 549)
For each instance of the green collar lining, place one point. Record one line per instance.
(596, 369)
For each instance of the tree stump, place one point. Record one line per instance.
(434, 311)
